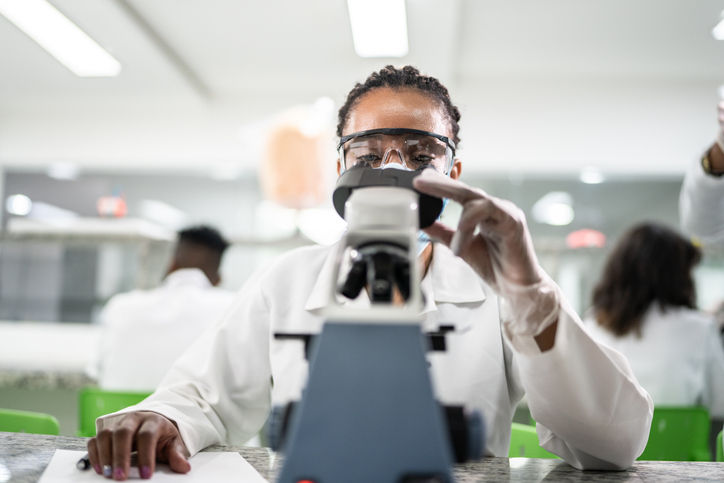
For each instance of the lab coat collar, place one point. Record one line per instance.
(449, 279)
(187, 276)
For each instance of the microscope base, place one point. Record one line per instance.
(368, 412)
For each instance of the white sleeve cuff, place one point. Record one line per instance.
(526, 311)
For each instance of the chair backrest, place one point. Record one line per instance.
(94, 403)
(678, 434)
(720, 447)
(524, 443)
(12, 421)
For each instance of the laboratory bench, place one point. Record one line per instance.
(43, 366)
(23, 458)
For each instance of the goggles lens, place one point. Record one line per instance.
(412, 149)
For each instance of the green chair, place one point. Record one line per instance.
(94, 403)
(524, 443)
(12, 421)
(678, 434)
(720, 447)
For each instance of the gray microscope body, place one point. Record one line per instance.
(368, 412)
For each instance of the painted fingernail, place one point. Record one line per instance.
(145, 472)
(119, 474)
(97, 468)
(107, 471)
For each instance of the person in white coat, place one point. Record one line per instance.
(515, 333)
(644, 307)
(170, 317)
(701, 201)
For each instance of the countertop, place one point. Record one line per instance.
(23, 458)
(46, 355)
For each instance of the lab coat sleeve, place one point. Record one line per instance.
(219, 391)
(701, 205)
(589, 408)
(714, 383)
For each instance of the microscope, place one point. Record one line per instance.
(368, 412)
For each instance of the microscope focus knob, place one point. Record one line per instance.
(467, 433)
(277, 424)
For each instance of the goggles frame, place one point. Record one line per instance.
(393, 131)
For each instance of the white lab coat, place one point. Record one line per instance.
(678, 359)
(701, 205)
(145, 331)
(590, 409)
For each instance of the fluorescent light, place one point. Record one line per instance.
(559, 214)
(718, 31)
(60, 37)
(379, 27)
(591, 176)
(18, 205)
(554, 208)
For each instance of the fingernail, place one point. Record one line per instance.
(119, 474)
(107, 471)
(97, 468)
(145, 472)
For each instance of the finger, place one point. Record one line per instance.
(122, 445)
(177, 455)
(105, 456)
(490, 216)
(146, 441)
(439, 232)
(435, 184)
(462, 238)
(93, 455)
(478, 212)
(476, 251)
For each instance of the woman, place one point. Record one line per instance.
(221, 389)
(644, 307)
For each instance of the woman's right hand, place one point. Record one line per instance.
(153, 436)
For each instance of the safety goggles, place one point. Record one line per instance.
(411, 148)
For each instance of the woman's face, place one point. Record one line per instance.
(390, 108)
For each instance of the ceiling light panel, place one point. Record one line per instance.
(379, 27)
(60, 37)
(718, 31)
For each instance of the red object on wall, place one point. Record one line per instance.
(586, 237)
(114, 206)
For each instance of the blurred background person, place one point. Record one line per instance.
(169, 318)
(718, 313)
(701, 203)
(644, 307)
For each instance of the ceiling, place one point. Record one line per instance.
(544, 86)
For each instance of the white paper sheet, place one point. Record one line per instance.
(205, 467)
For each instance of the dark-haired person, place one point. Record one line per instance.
(170, 317)
(701, 201)
(514, 332)
(644, 307)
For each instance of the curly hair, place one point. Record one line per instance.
(406, 78)
(650, 264)
(203, 236)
